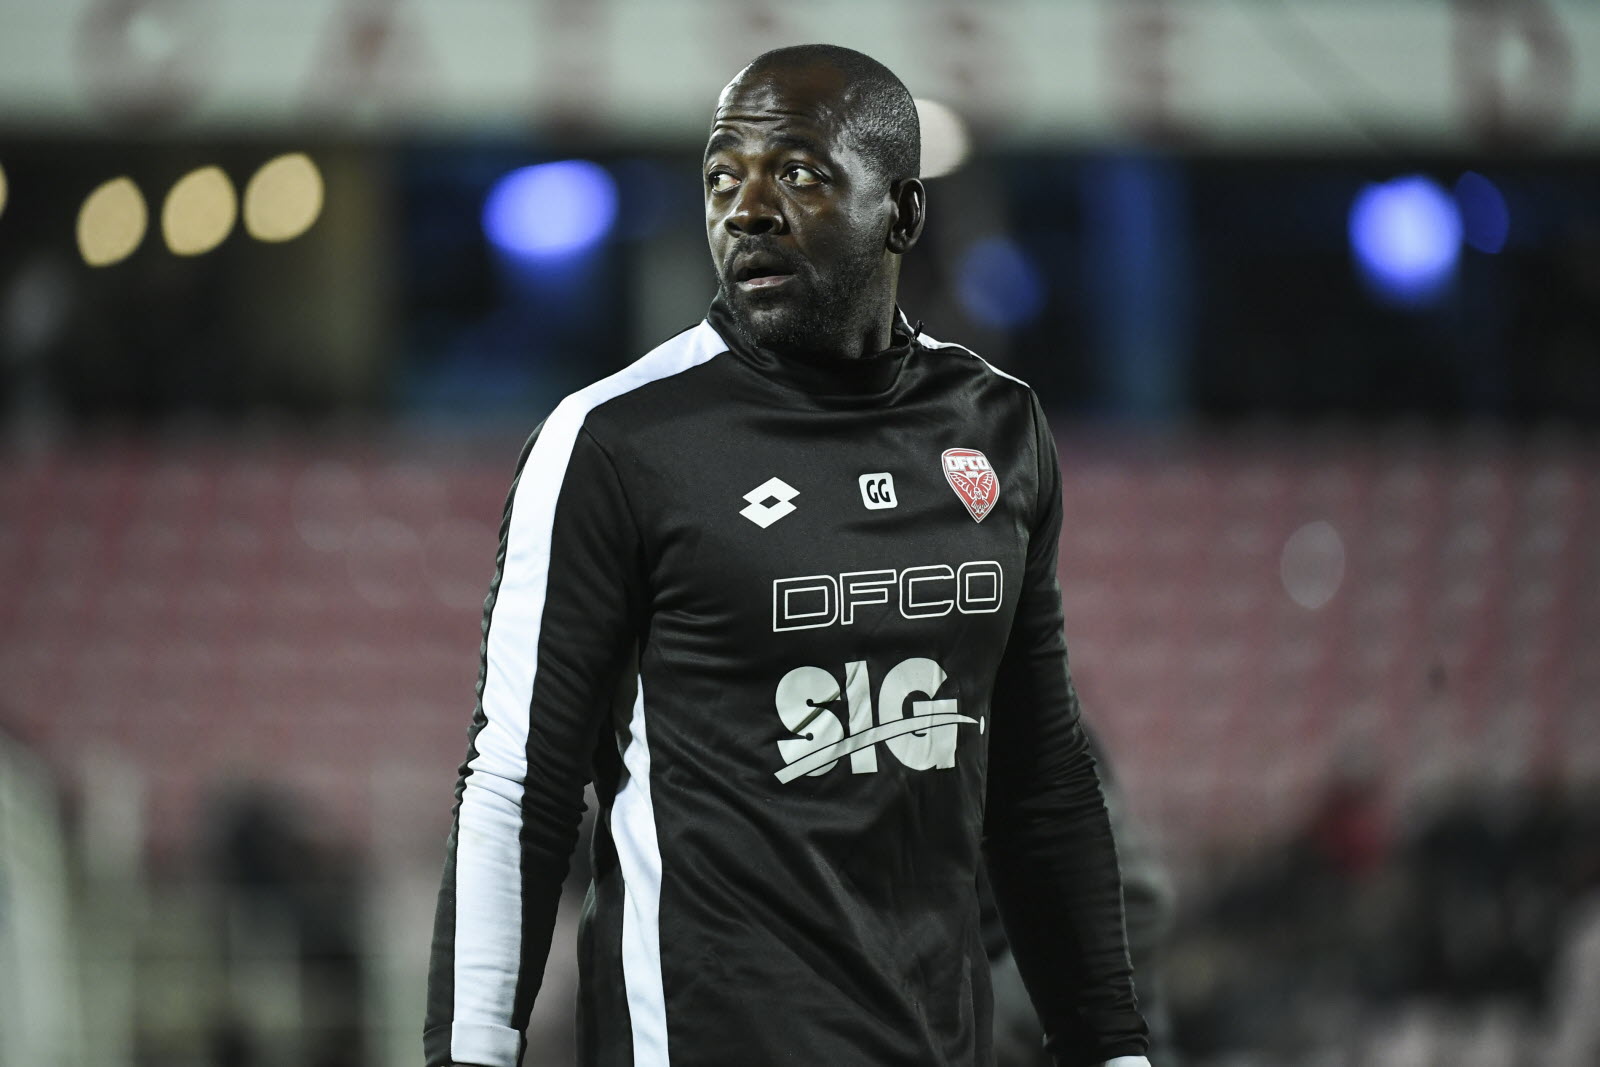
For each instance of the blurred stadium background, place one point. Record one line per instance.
(1311, 288)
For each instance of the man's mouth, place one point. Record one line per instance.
(761, 272)
(764, 281)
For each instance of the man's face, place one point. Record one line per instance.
(796, 216)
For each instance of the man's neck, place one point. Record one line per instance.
(869, 342)
(875, 335)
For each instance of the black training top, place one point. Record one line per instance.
(799, 622)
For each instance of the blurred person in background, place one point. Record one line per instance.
(40, 1011)
(291, 898)
(778, 871)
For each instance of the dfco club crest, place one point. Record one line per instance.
(973, 478)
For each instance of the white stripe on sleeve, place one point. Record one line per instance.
(935, 343)
(488, 918)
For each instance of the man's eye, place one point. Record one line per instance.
(798, 175)
(721, 181)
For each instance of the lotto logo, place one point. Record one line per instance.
(769, 502)
(913, 723)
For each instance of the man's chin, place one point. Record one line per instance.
(768, 321)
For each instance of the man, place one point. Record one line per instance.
(785, 588)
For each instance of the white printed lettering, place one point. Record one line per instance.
(862, 587)
(802, 699)
(804, 603)
(923, 749)
(912, 606)
(920, 733)
(926, 592)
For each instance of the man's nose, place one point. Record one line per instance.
(755, 211)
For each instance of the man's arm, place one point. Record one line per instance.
(558, 627)
(1048, 840)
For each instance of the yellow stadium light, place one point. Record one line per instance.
(111, 222)
(283, 198)
(200, 210)
(2, 190)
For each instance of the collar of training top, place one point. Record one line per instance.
(822, 376)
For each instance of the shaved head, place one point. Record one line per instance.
(812, 198)
(876, 107)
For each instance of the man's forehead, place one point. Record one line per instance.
(815, 95)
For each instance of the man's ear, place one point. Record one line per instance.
(910, 202)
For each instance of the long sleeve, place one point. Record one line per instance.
(559, 624)
(1047, 837)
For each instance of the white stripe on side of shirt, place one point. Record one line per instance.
(633, 828)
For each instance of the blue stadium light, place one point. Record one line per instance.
(998, 285)
(551, 210)
(1406, 236)
(1485, 219)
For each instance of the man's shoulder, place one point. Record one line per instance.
(637, 385)
(677, 355)
(961, 359)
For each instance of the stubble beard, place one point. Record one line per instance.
(827, 314)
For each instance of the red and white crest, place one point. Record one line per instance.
(972, 477)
